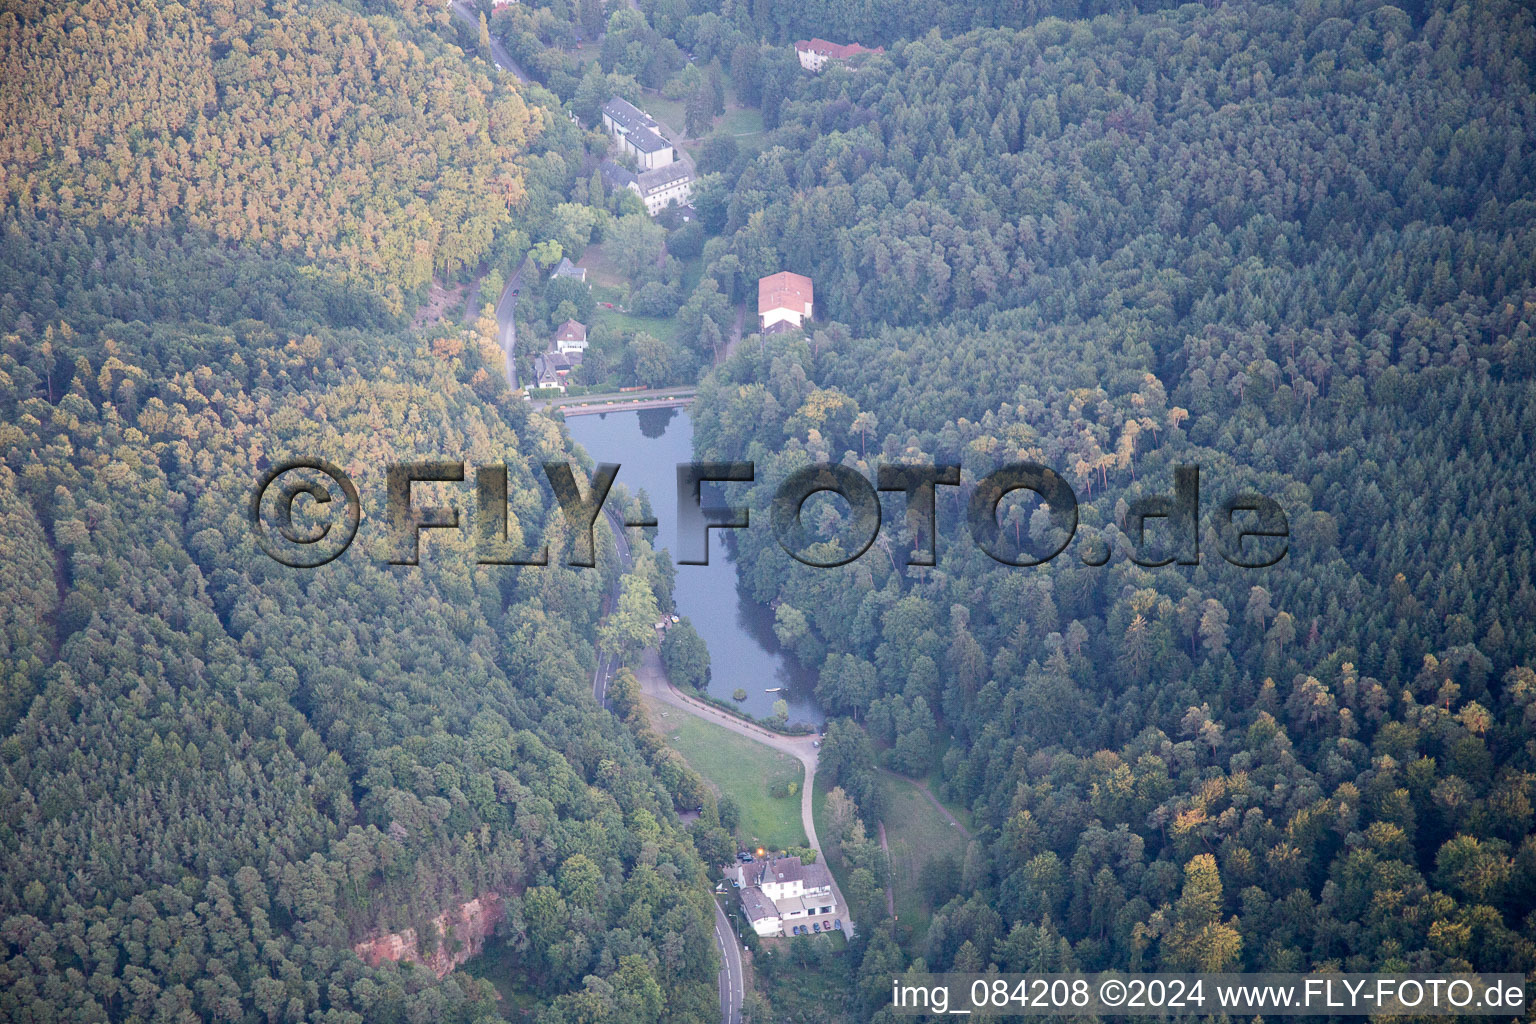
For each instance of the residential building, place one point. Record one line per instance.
(784, 298)
(776, 890)
(814, 53)
(570, 337)
(550, 369)
(656, 189)
(664, 186)
(638, 134)
(569, 269)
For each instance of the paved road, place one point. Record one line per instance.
(732, 985)
(616, 401)
(506, 317)
(499, 53)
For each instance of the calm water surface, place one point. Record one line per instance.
(739, 632)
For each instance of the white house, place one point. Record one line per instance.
(663, 186)
(776, 891)
(571, 337)
(814, 53)
(551, 368)
(656, 189)
(784, 298)
(638, 134)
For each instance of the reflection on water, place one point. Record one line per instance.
(653, 422)
(743, 650)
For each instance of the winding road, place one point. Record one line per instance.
(506, 318)
(732, 986)
(499, 53)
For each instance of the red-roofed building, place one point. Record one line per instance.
(571, 337)
(784, 298)
(814, 53)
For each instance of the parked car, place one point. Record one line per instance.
(838, 924)
(816, 926)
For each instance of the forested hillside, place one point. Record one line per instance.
(218, 774)
(359, 142)
(1292, 245)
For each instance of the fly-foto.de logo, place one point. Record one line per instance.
(1252, 531)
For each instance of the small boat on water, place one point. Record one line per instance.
(774, 689)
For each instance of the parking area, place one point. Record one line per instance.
(813, 925)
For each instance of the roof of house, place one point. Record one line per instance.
(571, 330)
(569, 269)
(626, 115)
(661, 178)
(784, 291)
(837, 51)
(546, 365)
(544, 370)
(756, 905)
(647, 141)
(815, 876)
(616, 175)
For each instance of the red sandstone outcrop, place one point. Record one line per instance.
(462, 933)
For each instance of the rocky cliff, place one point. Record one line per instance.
(461, 935)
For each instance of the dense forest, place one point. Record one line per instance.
(219, 774)
(1290, 245)
(357, 142)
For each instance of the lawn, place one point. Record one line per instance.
(740, 121)
(916, 833)
(672, 113)
(666, 328)
(608, 285)
(742, 769)
(737, 119)
(601, 273)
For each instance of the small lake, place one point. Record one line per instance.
(743, 650)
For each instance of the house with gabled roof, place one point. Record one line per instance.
(568, 269)
(814, 53)
(784, 298)
(782, 891)
(570, 336)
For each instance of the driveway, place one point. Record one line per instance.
(654, 682)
